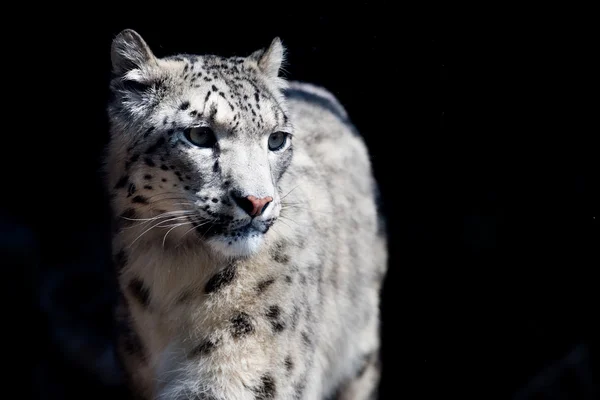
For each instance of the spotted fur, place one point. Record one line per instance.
(223, 298)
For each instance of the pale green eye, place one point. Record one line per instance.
(201, 136)
(277, 140)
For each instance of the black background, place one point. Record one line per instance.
(487, 181)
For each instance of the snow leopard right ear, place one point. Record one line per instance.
(269, 60)
(129, 51)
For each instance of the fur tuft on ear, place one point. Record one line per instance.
(129, 51)
(269, 60)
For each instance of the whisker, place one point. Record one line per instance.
(167, 214)
(289, 193)
(156, 217)
(149, 229)
(176, 225)
(305, 208)
(173, 194)
(147, 222)
(188, 231)
(276, 230)
(291, 220)
(152, 202)
(285, 223)
(211, 225)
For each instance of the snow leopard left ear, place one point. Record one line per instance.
(269, 60)
(129, 51)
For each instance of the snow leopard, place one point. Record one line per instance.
(248, 242)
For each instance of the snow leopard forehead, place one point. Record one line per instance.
(240, 95)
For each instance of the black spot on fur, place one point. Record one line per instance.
(306, 339)
(159, 142)
(267, 388)
(184, 106)
(263, 285)
(202, 349)
(164, 179)
(148, 132)
(131, 189)
(214, 88)
(241, 325)
(120, 260)
(207, 96)
(128, 215)
(213, 111)
(147, 176)
(122, 182)
(216, 167)
(131, 341)
(300, 387)
(193, 113)
(149, 162)
(220, 279)
(289, 364)
(140, 200)
(133, 159)
(147, 187)
(139, 291)
(278, 253)
(273, 314)
(288, 279)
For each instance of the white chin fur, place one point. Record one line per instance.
(244, 246)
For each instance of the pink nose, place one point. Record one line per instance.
(258, 205)
(253, 205)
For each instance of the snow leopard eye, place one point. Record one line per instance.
(201, 136)
(277, 140)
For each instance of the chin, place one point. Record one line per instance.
(242, 246)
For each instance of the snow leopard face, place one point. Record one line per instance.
(202, 142)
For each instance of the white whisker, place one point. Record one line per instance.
(175, 226)
(152, 227)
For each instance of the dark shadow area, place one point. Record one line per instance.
(493, 223)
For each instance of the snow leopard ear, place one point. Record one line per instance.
(269, 60)
(129, 51)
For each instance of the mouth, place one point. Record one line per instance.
(238, 241)
(250, 229)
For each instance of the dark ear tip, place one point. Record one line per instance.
(128, 35)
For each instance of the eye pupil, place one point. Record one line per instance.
(201, 136)
(277, 140)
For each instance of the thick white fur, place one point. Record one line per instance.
(327, 218)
